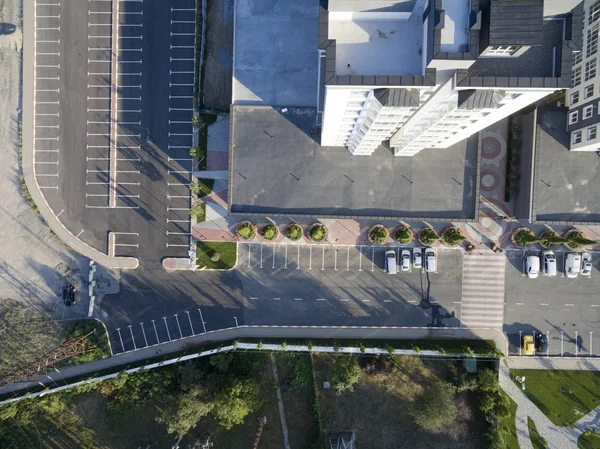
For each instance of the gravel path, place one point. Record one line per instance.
(34, 264)
(556, 437)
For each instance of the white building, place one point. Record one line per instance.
(418, 74)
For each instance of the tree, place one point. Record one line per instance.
(198, 123)
(576, 239)
(434, 408)
(185, 411)
(488, 380)
(345, 373)
(232, 404)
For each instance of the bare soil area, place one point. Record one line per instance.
(218, 54)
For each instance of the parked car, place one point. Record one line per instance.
(548, 264)
(430, 260)
(541, 343)
(417, 258)
(390, 262)
(405, 260)
(572, 265)
(528, 345)
(586, 264)
(532, 266)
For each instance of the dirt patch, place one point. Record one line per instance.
(377, 409)
(218, 54)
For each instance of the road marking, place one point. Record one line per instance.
(297, 299)
(569, 305)
(285, 263)
(261, 255)
(144, 332)
(276, 299)
(359, 258)
(344, 300)
(121, 338)
(320, 299)
(310, 258)
(167, 326)
(348, 260)
(274, 246)
(298, 264)
(387, 300)
(155, 331)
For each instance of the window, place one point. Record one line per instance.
(502, 50)
(589, 91)
(594, 12)
(588, 111)
(577, 137)
(591, 133)
(591, 46)
(573, 117)
(576, 77)
(575, 97)
(590, 70)
(577, 57)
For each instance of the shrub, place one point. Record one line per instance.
(434, 408)
(202, 187)
(378, 234)
(270, 231)
(293, 232)
(525, 238)
(428, 236)
(199, 212)
(345, 372)
(403, 235)
(259, 345)
(246, 230)
(551, 238)
(452, 236)
(318, 232)
(576, 239)
(194, 151)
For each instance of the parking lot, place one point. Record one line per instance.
(312, 285)
(566, 310)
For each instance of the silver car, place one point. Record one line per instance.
(586, 264)
(405, 260)
(417, 258)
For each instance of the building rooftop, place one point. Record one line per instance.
(516, 22)
(535, 62)
(377, 37)
(566, 183)
(455, 34)
(277, 167)
(276, 52)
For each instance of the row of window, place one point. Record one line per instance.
(591, 41)
(591, 133)
(587, 113)
(587, 93)
(594, 13)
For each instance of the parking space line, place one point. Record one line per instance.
(286, 257)
(155, 331)
(310, 258)
(167, 326)
(121, 338)
(261, 255)
(274, 246)
(249, 249)
(360, 258)
(298, 264)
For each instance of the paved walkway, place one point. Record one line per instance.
(557, 437)
(483, 290)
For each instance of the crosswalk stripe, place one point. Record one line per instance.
(499, 281)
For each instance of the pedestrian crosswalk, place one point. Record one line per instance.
(483, 290)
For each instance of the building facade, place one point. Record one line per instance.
(420, 74)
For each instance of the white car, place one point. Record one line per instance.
(405, 260)
(572, 265)
(548, 264)
(586, 264)
(390, 262)
(430, 261)
(532, 266)
(417, 258)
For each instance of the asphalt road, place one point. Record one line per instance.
(73, 75)
(567, 310)
(327, 287)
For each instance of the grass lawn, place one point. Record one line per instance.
(377, 409)
(563, 396)
(536, 440)
(206, 253)
(511, 436)
(203, 187)
(589, 441)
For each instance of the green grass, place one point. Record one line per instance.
(206, 251)
(563, 396)
(203, 187)
(589, 440)
(536, 439)
(509, 423)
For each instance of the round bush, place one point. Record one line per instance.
(378, 234)
(318, 232)
(525, 238)
(246, 230)
(270, 231)
(428, 236)
(452, 236)
(293, 232)
(403, 235)
(551, 238)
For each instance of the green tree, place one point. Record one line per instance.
(434, 408)
(378, 234)
(428, 236)
(577, 240)
(198, 123)
(488, 380)
(403, 235)
(345, 373)
(185, 411)
(235, 402)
